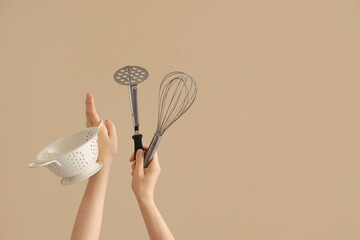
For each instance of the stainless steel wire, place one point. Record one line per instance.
(183, 89)
(177, 93)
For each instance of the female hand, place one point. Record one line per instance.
(107, 138)
(88, 220)
(144, 179)
(143, 185)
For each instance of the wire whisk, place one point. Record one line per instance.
(177, 93)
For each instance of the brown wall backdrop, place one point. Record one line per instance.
(269, 150)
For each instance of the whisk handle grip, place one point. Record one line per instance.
(152, 149)
(137, 143)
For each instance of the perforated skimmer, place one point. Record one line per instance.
(131, 76)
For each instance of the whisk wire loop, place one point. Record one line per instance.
(183, 89)
(176, 95)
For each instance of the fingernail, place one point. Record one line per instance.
(140, 153)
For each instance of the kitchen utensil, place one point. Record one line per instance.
(176, 95)
(72, 157)
(131, 76)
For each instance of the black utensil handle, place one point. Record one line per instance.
(137, 143)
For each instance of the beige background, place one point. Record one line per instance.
(269, 150)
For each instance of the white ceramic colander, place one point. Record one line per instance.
(72, 157)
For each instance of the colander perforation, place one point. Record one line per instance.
(71, 156)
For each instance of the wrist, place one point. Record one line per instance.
(145, 200)
(106, 161)
(104, 172)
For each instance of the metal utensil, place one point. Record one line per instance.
(176, 95)
(131, 76)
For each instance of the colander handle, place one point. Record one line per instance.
(99, 127)
(35, 165)
(101, 123)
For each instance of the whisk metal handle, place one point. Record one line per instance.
(152, 148)
(137, 143)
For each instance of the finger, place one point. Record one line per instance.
(132, 155)
(132, 173)
(139, 167)
(146, 148)
(131, 158)
(133, 166)
(88, 120)
(111, 129)
(154, 164)
(104, 131)
(91, 114)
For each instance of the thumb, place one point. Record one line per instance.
(111, 128)
(139, 167)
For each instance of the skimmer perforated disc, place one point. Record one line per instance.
(131, 75)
